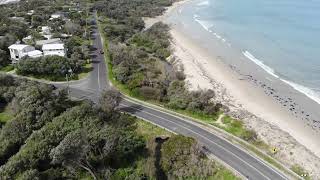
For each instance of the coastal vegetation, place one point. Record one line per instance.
(51, 137)
(139, 65)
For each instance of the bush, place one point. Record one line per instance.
(182, 158)
(53, 67)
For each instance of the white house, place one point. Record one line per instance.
(49, 41)
(53, 49)
(18, 51)
(34, 54)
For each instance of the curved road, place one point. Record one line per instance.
(247, 165)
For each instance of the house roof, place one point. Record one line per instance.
(35, 53)
(18, 46)
(52, 46)
(49, 41)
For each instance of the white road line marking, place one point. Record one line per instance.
(202, 137)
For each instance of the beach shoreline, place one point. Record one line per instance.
(247, 100)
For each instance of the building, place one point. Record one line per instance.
(27, 39)
(53, 49)
(45, 30)
(49, 41)
(55, 16)
(18, 51)
(34, 54)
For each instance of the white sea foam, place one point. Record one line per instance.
(205, 24)
(260, 63)
(304, 90)
(315, 96)
(203, 3)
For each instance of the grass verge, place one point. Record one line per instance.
(7, 68)
(300, 171)
(5, 115)
(149, 131)
(86, 70)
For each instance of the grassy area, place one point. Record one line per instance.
(224, 174)
(86, 70)
(5, 114)
(300, 171)
(7, 68)
(149, 131)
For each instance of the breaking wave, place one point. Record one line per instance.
(304, 90)
(315, 96)
(260, 64)
(205, 24)
(203, 3)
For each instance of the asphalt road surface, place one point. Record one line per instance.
(247, 165)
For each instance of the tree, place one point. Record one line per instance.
(37, 20)
(5, 42)
(72, 28)
(182, 158)
(110, 100)
(73, 151)
(52, 67)
(4, 58)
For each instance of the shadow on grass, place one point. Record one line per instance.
(7, 68)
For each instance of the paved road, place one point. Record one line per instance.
(247, 165)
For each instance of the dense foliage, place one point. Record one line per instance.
(139, 59)
(53, 67)
(51, 137)
(181, 156)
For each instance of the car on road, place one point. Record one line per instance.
(101, 52)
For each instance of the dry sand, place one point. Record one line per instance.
(273, 124)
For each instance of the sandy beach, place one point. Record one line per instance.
(274, 117)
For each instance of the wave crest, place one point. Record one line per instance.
(204, 3)
(205, 24)
(304, 90)
(260, 64)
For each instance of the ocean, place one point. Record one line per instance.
(282, 38)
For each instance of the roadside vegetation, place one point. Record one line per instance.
(139, 64)
(49, 136)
